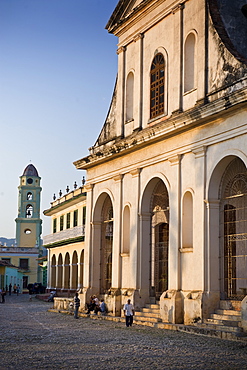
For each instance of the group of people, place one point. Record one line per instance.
(96, 306)
(93, 305)
(8, 289)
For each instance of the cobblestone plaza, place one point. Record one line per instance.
(33, 338)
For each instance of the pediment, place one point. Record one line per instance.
(122, 11)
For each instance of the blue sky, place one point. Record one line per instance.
(58, 67)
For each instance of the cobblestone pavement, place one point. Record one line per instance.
(32, 338)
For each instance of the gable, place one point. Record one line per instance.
(123, 10)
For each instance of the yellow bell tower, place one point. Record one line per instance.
(28, 222)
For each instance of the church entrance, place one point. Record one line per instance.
(233, 221)
(161, 258)
(160, 240)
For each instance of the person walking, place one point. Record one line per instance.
(10, 288)
(3, 293)
(129, 313)
(76, 305)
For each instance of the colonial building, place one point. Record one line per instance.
(166, 178)
(65, 244)
(28, 246)
(10, 274)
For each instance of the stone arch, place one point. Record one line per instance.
(103, 224)
(60, 271)
(74, 282)
(154, 237)
(53, 271)
(67, 271)
(224, 212)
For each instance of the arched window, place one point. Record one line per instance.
(29, 211)
(187, 221)
(189, 62)
(157, 86)
(130, 97)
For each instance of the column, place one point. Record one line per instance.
(212, 249)
(121, 83)
(200, 214)
(117, 232)
(174, 258)
(88, 237)
(139, 79)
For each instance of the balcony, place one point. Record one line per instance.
(64, 235)
(19, 250)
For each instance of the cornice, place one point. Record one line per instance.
(166, 128)
(65, 242)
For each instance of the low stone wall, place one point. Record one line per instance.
(62, 304)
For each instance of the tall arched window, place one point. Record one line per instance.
(157, 86)
(130, 97)
(189, 62)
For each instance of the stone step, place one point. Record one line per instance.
(147, 319)
(150, 310)
(210, 331)
(225, 317)
(228, 312)
(147, 314)
(229, 329)
(222, 322)
(230, 305)
(152, 306)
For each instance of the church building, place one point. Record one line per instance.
(166, 177)
(166, 190)
(28, 246)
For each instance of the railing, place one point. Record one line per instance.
(19, 249)
(64, 235)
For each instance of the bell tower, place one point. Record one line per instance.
(28, 222)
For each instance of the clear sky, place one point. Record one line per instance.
(58, 67)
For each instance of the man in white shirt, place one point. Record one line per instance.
(129, 313)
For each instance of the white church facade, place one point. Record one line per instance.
(166, 178)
